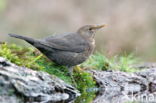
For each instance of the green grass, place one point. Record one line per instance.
(32, 58)
(100, 62)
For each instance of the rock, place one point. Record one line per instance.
(146, 65)
(150, 76)
(120, 87)
(23, 85)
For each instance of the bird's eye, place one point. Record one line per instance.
(90, 29)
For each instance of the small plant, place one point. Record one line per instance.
(123, 63)
(7, 53)
(97, 61)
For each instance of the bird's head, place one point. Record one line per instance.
(89, 30)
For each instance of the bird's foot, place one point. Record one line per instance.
(77, 69)
(70, 73)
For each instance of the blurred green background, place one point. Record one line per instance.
(131, 23)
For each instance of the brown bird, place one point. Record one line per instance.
(67, 49)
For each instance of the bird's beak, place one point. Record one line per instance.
(99, 26)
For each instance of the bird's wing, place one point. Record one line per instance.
(67, 42)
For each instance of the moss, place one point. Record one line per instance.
(54, 69)
(21, 56)
(84, 82)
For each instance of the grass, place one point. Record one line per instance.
(32, 58)
(100, 62)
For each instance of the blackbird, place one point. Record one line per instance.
(68, 49)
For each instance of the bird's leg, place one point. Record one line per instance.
(71, 75)
(70, 69)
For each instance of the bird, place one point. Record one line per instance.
(68, 49)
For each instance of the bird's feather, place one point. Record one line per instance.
(66, 42)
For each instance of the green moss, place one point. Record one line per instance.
(84, 82)
(53, 69)
(20, 56)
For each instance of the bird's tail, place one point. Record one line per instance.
(28, 39)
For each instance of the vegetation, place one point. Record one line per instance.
(100, 62)
(32, 58)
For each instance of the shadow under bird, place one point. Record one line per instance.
(67, 49)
